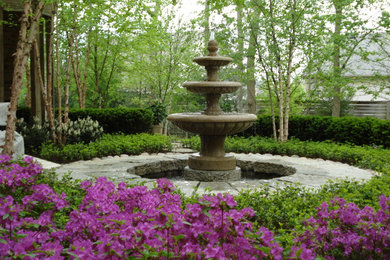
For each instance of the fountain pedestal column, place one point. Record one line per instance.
(212, 155)
(211, 163)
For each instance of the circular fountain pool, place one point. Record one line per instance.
(175, 169)
(258, 170)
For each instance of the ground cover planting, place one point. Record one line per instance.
(107, 145)
(47, 218)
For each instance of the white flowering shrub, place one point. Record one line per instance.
(83, 130)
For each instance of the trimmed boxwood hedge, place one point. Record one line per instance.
(117, 120)
(113, 120)
(352, 130)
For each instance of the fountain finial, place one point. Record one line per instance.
(212, 47)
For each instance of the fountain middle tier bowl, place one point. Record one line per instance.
(224, 124)
(213, 61)
(215, 87)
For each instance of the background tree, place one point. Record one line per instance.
(344, 29)
(279, 50)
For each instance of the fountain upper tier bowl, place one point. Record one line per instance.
(224, 124)
(213, 61)
(216, 87)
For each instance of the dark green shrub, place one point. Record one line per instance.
(25, 113)
(381, 133)
(159, 112)
(34, 134)
(117, 120)
(352, 130)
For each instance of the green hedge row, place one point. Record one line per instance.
(352, 130)
(117, 120)
(108, 145)
(113, 120)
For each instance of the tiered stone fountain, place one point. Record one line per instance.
(212, 164)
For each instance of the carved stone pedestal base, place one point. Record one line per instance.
(212, 163)
(200, 175)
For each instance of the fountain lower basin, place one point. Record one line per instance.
(224, 124)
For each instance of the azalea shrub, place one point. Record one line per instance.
(26, 226)
(342, 230)
(120, 221)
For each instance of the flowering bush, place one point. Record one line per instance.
(121, 222)
(27, 230)
(83, 130)
(343, 231)
(116, 222)
(17, 174)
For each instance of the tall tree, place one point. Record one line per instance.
(282, 30)
(240, 49)
(29, 27)
(344, 29)
(160, 62)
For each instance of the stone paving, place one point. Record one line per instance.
(311, 173)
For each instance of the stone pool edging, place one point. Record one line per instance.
(311, 173)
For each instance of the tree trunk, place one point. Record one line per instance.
(279, 81)
(67, 85)
(251, 82)
(336, 108)
(240, 61)
(291, 49)
(45, 90)
(206, 21)
(28, 31)
(28, 85)
(84, 84)
(58, 82)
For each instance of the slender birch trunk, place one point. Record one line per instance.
(29, 27)
(251, 82)
(58, 73)
(291, 50)
(336, 107)
(240, 35)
